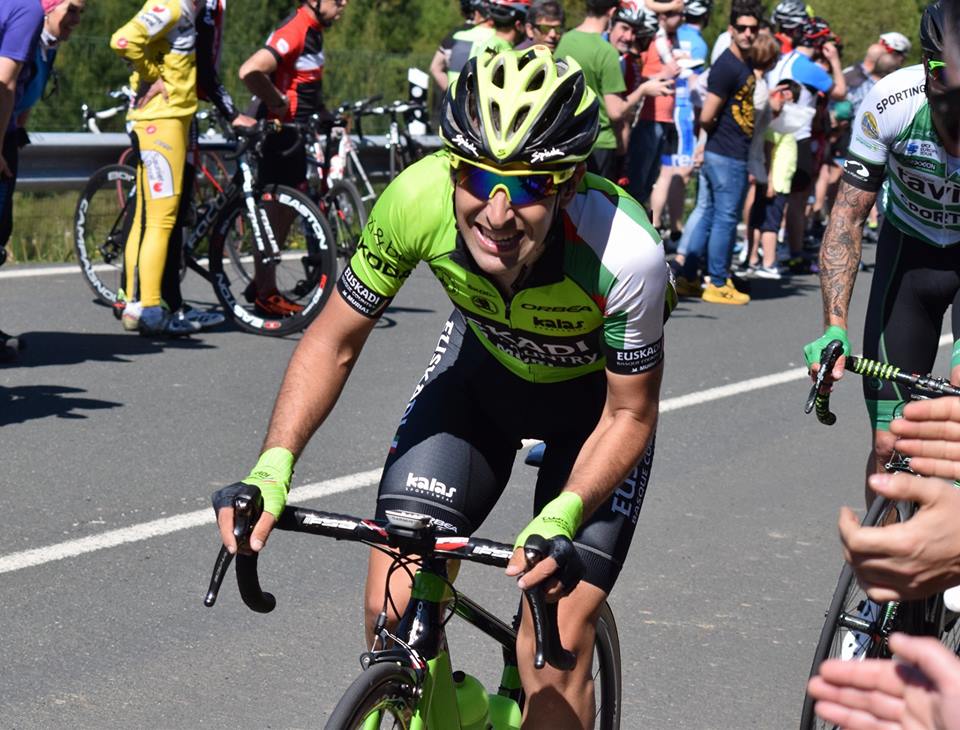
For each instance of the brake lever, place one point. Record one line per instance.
(821, 400)
(548, 648)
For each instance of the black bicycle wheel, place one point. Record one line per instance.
(607, 672)
(347, 216)
(303, 273)
(851, 609)
(101, 223)
(386, 690)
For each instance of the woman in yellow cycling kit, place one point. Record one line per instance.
(160, 45)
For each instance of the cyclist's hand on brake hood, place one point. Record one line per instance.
(813, 350)
(272, 476)
(557, 522)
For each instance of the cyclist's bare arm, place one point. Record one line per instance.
(616, 445)
(438, 69)
(255, 74)
(311, 386)
(840, 251)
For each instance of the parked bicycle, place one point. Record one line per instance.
(856, 627)
(238, 223)
(407, 679)
(402, 148)
(93, 118)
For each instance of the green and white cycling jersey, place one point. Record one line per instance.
(893, 133)
(594, 299)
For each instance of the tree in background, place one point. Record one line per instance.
(369, 51)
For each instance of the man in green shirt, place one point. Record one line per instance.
(461, 45)
(601, 68)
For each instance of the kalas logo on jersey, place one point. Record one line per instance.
(557, 324)
(869, 125)
(542, 155)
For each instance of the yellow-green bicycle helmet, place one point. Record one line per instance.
(520, 107)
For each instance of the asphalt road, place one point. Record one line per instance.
(719, 605)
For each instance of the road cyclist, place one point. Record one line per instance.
(905, 140)
(560, 291)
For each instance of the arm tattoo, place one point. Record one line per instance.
(840, 251)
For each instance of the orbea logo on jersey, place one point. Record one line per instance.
(433, 486)
(869, 125)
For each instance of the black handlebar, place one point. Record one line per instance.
(921, 385)
(248, 506)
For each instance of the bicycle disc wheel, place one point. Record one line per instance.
(302, 275)
(607, 672)
(851, 609)
(101, 223)
(347, 216)
(381, 697)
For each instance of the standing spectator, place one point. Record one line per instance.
(789, 17)
(601, 69)
(773, 177)
(727, 118)
(461, 45)
(669, 192)
(20, 24)
(508, 18)
(544, 26)
(861, 77)
(656, 134)
(800, 66)
(287, 75)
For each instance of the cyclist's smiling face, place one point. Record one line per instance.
(504, 238)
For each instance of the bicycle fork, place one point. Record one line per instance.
(259, 221)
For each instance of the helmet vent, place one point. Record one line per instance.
(519, 119)
(495, 117)
(536, 83)
(497, 78)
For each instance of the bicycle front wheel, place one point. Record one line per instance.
(347, 216)
(607, 672)
(381, 697)
(851, 630)
(276, 295)
(101, 223)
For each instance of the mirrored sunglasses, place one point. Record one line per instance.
(523, 187)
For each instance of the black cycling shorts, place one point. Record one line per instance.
(803, 176)
(459, 435)
(913, 284)
(277, 168)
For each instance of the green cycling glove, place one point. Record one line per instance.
(562, 516)
(812, 350)
(272, 475)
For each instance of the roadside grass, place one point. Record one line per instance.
(42, 227)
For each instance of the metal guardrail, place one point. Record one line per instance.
(64, 160)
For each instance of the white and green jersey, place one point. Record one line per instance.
(594, 299)
(893, 134)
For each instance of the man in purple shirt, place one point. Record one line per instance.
(20, 24)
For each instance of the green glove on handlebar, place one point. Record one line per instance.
(812, 350)
(562, 516)
(272, 475)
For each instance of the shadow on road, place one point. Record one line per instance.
(72, 348)
(28, 402)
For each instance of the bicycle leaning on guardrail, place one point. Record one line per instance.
(402, 148)
(407, 679)
(241, 231)
(856, 627)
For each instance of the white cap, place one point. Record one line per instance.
(896, 42)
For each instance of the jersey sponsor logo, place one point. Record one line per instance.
(557, 324)
(358, 295)
(543, 155)
(283, 46)
(869, 125)
(442, 344)
(159, 174)
(870, 144)
(857, 169)
(628, 362)
(924, 149)
(941, 191)
(151, 129)
(536, 349)
(938, 217)
(628, 499)
(155, 19)
(484, 305)
(920, 164)
(378, 263)
(431, 486)
(310, 62)
(899, 96)
(541, 308)
(122, 42)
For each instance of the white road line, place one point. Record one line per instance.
(167, 525)
(29, 271)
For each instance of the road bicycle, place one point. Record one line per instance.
(238, 226)
(403, 150)
(92, 118)
(856, 627)
(329, 149)
(407, 679)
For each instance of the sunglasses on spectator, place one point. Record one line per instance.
(546, 29)
(744, 28)
(522, 186)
